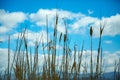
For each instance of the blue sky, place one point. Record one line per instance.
(79, 15)
(99, 8)
(103, 7)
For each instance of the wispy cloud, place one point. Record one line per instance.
(90, 11)
(108, 42)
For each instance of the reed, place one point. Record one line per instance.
(91, 63)
(8, 72)
(25, 63)
(99, 49)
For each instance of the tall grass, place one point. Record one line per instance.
(25, 64)
(117, 70)
(98, 55)
(8, 73)
(91, 63)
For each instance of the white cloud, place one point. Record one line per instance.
(81, 25)
(77, 22)
(32, 37)
(108, 42)
(112, 26)
(40, 17)
(9, 20)
(107, 60)
(90, 11)
(4, 58)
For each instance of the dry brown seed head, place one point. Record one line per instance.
(91, 31)
(65, 37)
(60, 36)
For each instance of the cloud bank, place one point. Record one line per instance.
(77, 23)
(10, 20)
(108, 62)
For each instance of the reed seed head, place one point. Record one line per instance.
(60, 37)
(91, 31)
(65, 37)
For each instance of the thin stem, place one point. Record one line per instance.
(91, 67)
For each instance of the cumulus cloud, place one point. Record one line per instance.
(84, 22)
(107, 60)
(32, 37)
(77, 22)
(10, 20)
(4, 58)
(39, 18)
(112, 26)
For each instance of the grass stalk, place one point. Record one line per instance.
(91, 63)
(8, 73)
